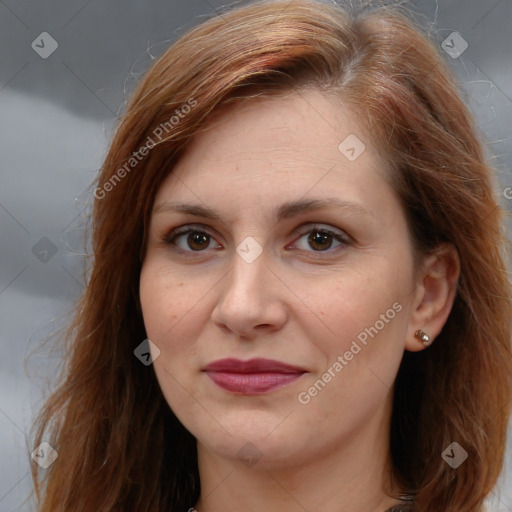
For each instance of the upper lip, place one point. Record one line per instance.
(256, 365)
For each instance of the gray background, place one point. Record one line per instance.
(56, 118)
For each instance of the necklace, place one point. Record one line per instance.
(406, 507)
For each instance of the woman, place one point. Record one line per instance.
(298, 299)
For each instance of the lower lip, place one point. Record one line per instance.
(252, 383)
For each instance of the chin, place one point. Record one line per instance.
(265, 443)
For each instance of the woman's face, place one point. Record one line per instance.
(265, 272)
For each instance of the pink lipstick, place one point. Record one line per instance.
(252, 377)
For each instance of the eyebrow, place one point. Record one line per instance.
(284, 211)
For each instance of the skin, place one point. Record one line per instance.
(298, 302)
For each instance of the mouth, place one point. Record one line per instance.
(252, 377)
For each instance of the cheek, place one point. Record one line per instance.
(355, 300)
(363, 317)
(174, 309)
(363, 321)
(170, 309)
(165, 299)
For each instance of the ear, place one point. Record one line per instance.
(434, 295)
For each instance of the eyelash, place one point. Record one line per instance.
(169, 238)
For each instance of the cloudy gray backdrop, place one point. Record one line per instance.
(56, 117)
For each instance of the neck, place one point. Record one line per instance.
(349, 477)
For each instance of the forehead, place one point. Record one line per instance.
(270, 149)
(306, 121)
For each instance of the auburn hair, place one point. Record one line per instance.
(120, 446)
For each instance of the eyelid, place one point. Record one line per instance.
(172, 234)
(185, 228)
(324, 228)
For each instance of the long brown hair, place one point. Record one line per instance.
(120, 446)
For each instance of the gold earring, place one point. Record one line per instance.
(423, 337)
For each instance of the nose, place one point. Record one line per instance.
(251, 300)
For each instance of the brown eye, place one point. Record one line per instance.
(321, 239)
(194, 241)
(198, 241)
